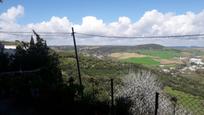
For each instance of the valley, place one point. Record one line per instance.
(179, 69)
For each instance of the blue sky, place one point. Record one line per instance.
(106, 17)
(108, 10)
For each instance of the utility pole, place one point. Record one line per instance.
(77, 60)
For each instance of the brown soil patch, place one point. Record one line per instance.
(186, 54)
(125, 55)
(166, 61)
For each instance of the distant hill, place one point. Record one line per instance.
(111, 49)
(108, 49)
(150, 46)
(185, 47)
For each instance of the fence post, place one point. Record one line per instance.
(156, 103)
(92, 81)
(112, 98)
(174, 100)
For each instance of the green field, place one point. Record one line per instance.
(188, 101)
(143, 60)
(164, 54)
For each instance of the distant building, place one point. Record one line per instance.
(196, 61)
(10, 49)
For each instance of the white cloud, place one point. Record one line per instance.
(91, 24)
(121, 27)
(12, 14)
(8, 18)
(55, 24)
(151, 23)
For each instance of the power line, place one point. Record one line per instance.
(58, 34)
(51, 35)
(26, 32)
(43, 34)
(130, 37)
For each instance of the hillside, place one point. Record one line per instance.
(113, 49)
(155, 53)
(150, 46)
(100, 70)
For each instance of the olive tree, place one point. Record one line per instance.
(140, 88)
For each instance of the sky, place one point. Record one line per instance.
(105, 17)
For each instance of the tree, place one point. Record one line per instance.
(140, 88)
(32, 43)
(32, 56)
(4, 62)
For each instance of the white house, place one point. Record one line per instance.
(10, 49)
(196, 61)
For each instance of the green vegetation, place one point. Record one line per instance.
(91, 66)
(195, 52)
(182, 84)
(190, 102)
(164, 54)
(104, 50)
(143, 60)
(194, 76)
(188, 90)
(96, 73)
(150, 47)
